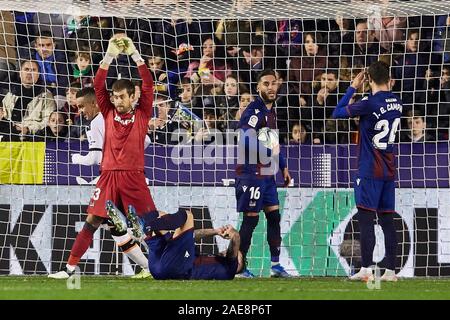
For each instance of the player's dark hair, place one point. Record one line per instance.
(379, 72)
(87, 93)
(121, 84)
(266, 72)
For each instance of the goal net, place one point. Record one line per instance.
(205, 57)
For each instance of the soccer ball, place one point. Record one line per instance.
(268, 137)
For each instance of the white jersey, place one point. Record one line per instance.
(96, 135)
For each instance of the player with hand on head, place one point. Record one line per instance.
(122, 176)
(255, 187)
(374, 187)
(171, 243)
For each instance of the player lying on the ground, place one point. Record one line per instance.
(171, 243)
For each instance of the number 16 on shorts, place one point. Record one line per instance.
(249, 198)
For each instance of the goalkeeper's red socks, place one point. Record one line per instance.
(82, 243)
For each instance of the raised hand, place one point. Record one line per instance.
(114, 48)
(128, 45)
(359, 80)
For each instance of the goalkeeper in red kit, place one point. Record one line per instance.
(122, 178)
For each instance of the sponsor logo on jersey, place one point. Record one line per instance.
(253, 121)
(122, 121)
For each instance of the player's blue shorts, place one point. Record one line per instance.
(171, 259)
(375, 195)
(253, 194)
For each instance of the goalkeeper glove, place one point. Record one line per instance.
(114, 49)
(130, 49)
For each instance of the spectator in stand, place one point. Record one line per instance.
(25, 28)
(289, 37)
(8, 55)
(251, 61)
(303, 70)
(87, 33)
(28, 104)
(299, 134)
(325, 98)
(56, 129)
(209, 133)
(444, 104)
(366, 48)
(237, 33)
(186, 93)
(441, 43)
(341, 36)
(53, 66)
(161, 128)
(165, 80)
(70, 107)
(210, 69)
(82, 69)
(228, 103)
(8, 131)
(284, 113)
(410, 67)
(245, 99)
(389, 31)
(417, 129)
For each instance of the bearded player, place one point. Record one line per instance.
(122, 178)
(255, 187)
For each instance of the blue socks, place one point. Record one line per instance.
(249, 224)
(168, 221)
(274, 235)
(367, 236)
(386, 221)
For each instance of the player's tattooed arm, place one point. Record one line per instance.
(203, 233)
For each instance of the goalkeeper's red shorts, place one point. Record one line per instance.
(123, 188)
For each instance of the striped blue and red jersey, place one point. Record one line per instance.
(255, 117)
(379, 118)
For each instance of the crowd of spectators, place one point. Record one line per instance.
(205, 73)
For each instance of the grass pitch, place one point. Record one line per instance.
(124, 288)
